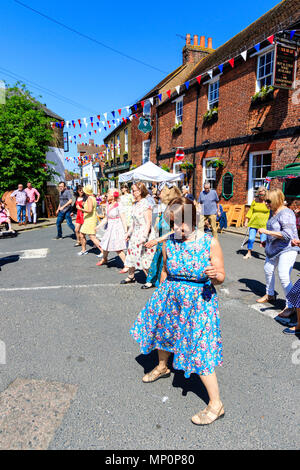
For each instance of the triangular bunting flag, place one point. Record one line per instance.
(169, 93)
(151, 101)
(105, 115)
(257, 47)
(98, 117)
(159, 96)
(187, 84)
(178, 89)
(119, 111)
(244, 55)
(293, 32)
(231, 61)
(271, 39)
(198, 79)
(221, 68)
(143, 104)
(113, 113)
(210, 73)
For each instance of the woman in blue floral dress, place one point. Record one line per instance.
(182, 315)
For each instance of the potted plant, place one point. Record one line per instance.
(266, 94)
(211, 116)
(177, 128)
(133, 167)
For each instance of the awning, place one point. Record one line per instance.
(288, 172)
(151, 173)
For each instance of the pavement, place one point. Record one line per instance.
(70, 373)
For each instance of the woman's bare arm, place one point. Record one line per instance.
(216, 271)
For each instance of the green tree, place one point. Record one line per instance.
(25, 136)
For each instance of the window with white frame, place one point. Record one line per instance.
(213, 94)
(147, 109)
(209, 173)
(259, 166)
(118, 145)
(265, 68)
(126, 139)
(146, 151)
(176, 167)
(179, 110)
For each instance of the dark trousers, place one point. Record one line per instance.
(60, 218)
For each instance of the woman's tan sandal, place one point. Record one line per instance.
(266, 298)
(156, 375)
(208, 416)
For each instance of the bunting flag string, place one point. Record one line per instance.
(178, 88)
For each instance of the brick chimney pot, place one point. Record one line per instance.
(209, 43)
(202, 41)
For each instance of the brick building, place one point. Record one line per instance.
(92, 163)
(118, 152)
(221, 124)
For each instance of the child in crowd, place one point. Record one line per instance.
(4, 216)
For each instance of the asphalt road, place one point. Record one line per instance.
(72, 378)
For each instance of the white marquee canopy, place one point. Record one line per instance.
(151, 173)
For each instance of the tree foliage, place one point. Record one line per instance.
(25, 136)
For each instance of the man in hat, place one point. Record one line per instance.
(64, 210)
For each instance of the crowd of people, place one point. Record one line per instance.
(163, 232)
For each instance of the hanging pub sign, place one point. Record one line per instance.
(285, 59)
(145, 125)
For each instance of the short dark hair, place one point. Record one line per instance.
(62, 182)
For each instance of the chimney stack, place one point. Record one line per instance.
(209, 43)
(202, 41)
(195, 39)
(188, 39)
(196, 52)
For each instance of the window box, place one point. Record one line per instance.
(211, 116)
(177, 128)
(265, 95)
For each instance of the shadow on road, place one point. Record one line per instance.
(193, 384)
(254, 254)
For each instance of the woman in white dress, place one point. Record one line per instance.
(138, 256)
(115, 232)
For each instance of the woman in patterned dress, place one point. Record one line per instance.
(294, 298)
(138, 256)
(182, 315)
(114, 235)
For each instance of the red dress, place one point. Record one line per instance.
(79, 217)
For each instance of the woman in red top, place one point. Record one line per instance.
(80, 200)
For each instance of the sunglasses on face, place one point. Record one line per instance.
(268, 201)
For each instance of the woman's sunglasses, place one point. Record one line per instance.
(268, 201)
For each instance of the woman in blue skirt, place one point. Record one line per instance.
(182, 315)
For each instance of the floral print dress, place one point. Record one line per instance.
(138, 256)
(182, 315)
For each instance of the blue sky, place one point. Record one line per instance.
(96, 78)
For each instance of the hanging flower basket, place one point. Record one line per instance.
(211, 116)
(265, 95)
(187, 166)
(217, 163)
(165, 167)
(177, 129)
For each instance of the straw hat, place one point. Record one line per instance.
(88, 190)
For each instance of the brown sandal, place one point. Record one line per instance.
(154, 376)
(208, 416)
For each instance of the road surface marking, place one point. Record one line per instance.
(79, 286)
(31, 411)
(29, 254)
(266, 311)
